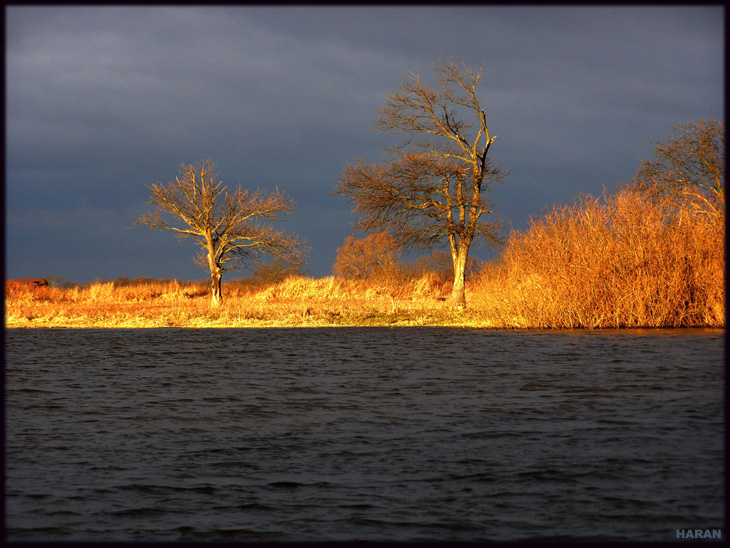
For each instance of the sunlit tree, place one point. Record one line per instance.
(232, 229)
(276, 271)
(689, 165)
(362, 258)
(433, 189)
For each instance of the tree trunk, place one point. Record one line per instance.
(216, 274)
(458, 296)
(215, 284)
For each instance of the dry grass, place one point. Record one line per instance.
(297, 301)
(619, 261)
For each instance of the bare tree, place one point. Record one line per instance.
(376, 255)
(276, 271)
(432, 189)
(227, 226)
(689, 165)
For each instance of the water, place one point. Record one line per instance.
(363, 434)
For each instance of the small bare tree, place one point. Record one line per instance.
(226, 225)
(689, 165)
(433, 189)
(275, 272)
(376, 255)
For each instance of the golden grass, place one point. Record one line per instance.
(297, 301)
(617, 262)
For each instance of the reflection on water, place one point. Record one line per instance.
(363, 434)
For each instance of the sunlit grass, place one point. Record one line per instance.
(297, 301)
(619, 261)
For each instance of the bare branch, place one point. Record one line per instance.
(689, 165)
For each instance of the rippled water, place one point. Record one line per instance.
(363, 434)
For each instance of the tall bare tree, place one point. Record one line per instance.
(227, 226)
(433, 188)
(689, 165)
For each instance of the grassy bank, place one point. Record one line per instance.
(296, 301)
(615, 261)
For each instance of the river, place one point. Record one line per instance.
(379, 434)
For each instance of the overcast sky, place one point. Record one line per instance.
(102, 101)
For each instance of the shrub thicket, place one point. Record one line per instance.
(621, 261)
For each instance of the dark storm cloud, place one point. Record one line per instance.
(104, 100)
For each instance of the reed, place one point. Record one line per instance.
(616, 261)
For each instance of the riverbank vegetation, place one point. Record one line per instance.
(623, 259)
(648, 254)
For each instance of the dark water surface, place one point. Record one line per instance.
(363, 434)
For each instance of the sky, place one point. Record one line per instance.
(102, 101)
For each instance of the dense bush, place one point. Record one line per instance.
(624, 260)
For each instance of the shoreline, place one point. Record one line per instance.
(393, 321)
(329, 302)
